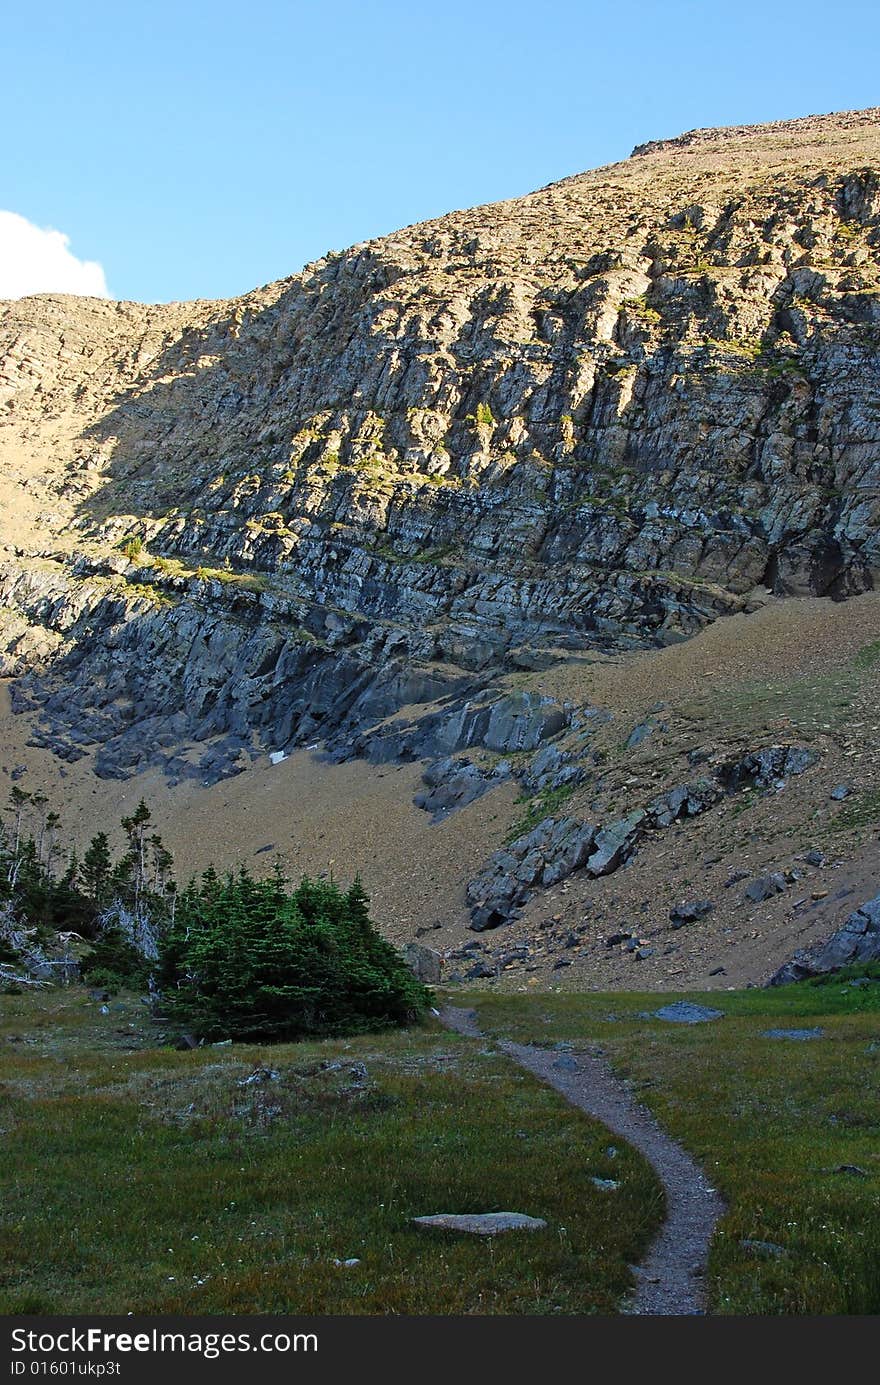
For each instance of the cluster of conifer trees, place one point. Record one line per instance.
(252, 959)
(49, 889)
(226, 957)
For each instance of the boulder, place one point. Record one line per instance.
(423, 962)
(492, 913)
(615, 843)
(550, 769)
(481, 971)
(683, 801)
(764, 768)
(765, 887)
(641, 733)
(680, 914)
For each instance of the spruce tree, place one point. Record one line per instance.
(96, 870)
(247, 959)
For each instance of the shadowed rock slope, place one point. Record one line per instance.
(598, 416)
(540, 515)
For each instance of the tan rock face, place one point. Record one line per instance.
(602, 414)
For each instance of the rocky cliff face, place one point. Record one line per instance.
(598, 416)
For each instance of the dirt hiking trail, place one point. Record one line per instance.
(671, 1279)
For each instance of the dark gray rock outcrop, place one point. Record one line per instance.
(856, 941)
(557, 847)
(453, 783)
(542, 857)
(505, 723)
(551, 768)
(765, 768)
(596, 417)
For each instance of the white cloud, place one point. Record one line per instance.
(34, 259)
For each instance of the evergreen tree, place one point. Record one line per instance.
(18, 801)
(246, 959)
(96, 870)
(137, 830)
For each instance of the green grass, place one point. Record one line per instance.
(772, 1122)
(868, 656)
(156, 597)
(861, 810)
(247, 581)
(811, 703)
(541, 806)
(141, 1179)
(638, 307)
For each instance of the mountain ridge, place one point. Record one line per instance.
(380, 504)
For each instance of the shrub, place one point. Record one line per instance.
(131, 547)
(114, 962)
(8, 954)
(246, 959)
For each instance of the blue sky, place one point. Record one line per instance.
(198, 150)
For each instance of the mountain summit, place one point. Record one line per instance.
(583, 422)
(600, 415)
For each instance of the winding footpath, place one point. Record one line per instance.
(671, 1279)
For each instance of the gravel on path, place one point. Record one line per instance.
(671, 1279)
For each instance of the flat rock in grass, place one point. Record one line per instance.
(799, 1035)
(482, 1223)
(685, 1012)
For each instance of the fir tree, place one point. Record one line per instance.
(96, 870)
(246, 959)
